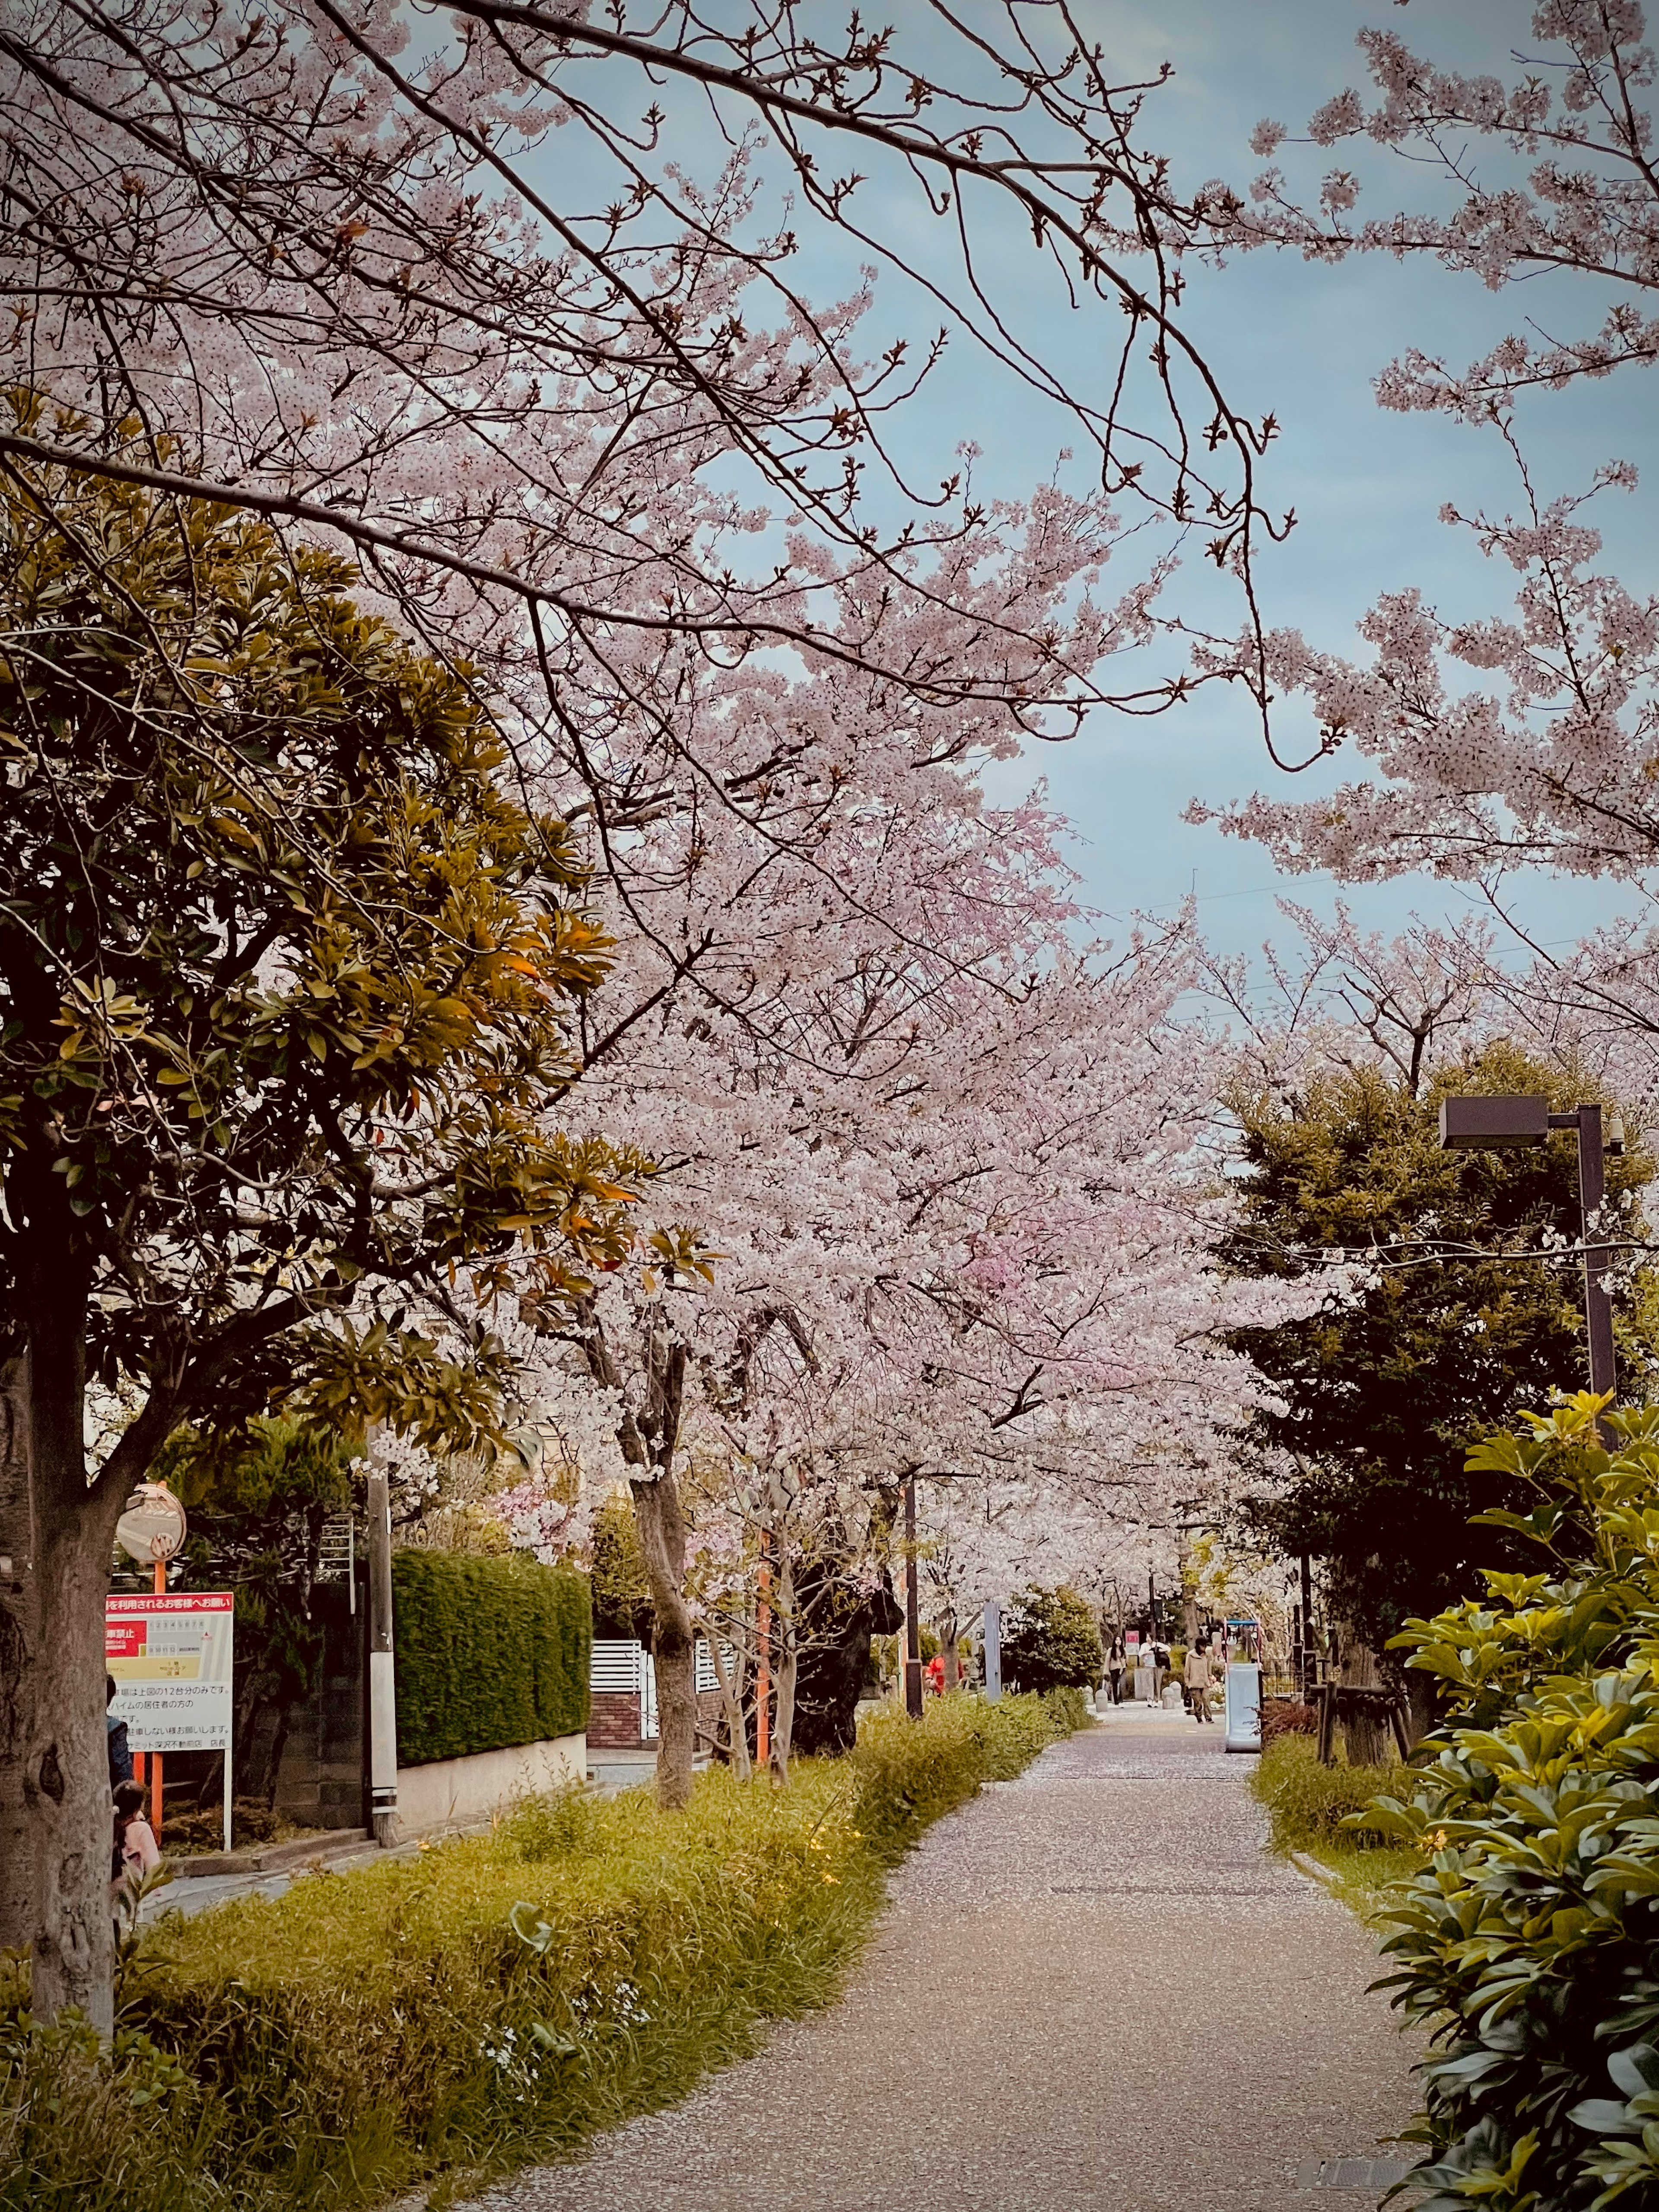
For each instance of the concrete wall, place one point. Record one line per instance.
(452, 1791)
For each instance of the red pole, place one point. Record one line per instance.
(763, 1673)
(156, 1757)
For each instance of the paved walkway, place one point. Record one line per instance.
(1093, 1990)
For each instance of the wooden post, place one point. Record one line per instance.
(1325, 1695)
(1402, 1732)
(382, 1679)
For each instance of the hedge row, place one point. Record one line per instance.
(490, 1653)
(500, 1998)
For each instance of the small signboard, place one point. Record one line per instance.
(171, 1659)
(1243, 1706)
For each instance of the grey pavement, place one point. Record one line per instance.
(1093, 1988)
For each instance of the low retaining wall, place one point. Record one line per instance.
(452, 1790)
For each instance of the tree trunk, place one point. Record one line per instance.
(57, 1534)
(649, 1440)
(1422, 1705)
(662, 1541)
(737, 1732)
(947, 1647)
(1365, 1735)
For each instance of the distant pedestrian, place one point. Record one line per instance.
(134, 1851)
(1146, 1675)
(115, 1732)
(1197, 1673)
(1114, 1665)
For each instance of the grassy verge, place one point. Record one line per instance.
(495, 2000)
(1308, 1804)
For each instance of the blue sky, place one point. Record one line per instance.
(1306, 342)
(1301, 341)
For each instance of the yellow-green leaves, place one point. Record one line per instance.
(293, 963)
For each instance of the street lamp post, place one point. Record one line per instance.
(1495, 1124)
(912, 1622)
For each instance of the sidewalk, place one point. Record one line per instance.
(1093, 1990)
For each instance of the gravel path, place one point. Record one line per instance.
(1093, 1989)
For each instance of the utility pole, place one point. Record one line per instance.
(1479, 1124)
(1592, 1189)
(912, 1620)
(382, 1679)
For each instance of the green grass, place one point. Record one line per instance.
(495, 2000)
(1309, 1807)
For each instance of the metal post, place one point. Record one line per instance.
(382, 1681)
(1598, 1306)
(993, 1633)
(912, 1622)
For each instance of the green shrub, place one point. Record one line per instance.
(1312, 1807)
(490, 1652)
(1529, 1943)
(497, 1999)
(1050, 1639)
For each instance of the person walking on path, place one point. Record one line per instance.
(1115, 1670)
(1198, 1682)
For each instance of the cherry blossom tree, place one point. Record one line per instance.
(954, 1168)
(1496, 742)
(462, 292)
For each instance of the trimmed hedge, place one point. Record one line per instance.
(490, 1653)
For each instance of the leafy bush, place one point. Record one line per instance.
(490, 1652)
(1050, 1640)
(1312, 1807)
(1529, 1943)
(497, 1999)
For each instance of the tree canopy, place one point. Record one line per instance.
(285, 967)
(1463, 1318)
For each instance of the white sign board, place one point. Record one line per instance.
(171, 1659)
(1243, 1706)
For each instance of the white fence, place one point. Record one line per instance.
(629, 1668)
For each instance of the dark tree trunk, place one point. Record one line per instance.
(58, 1533)
(649, 1441)
(1365, 1733)
(662, 1541)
